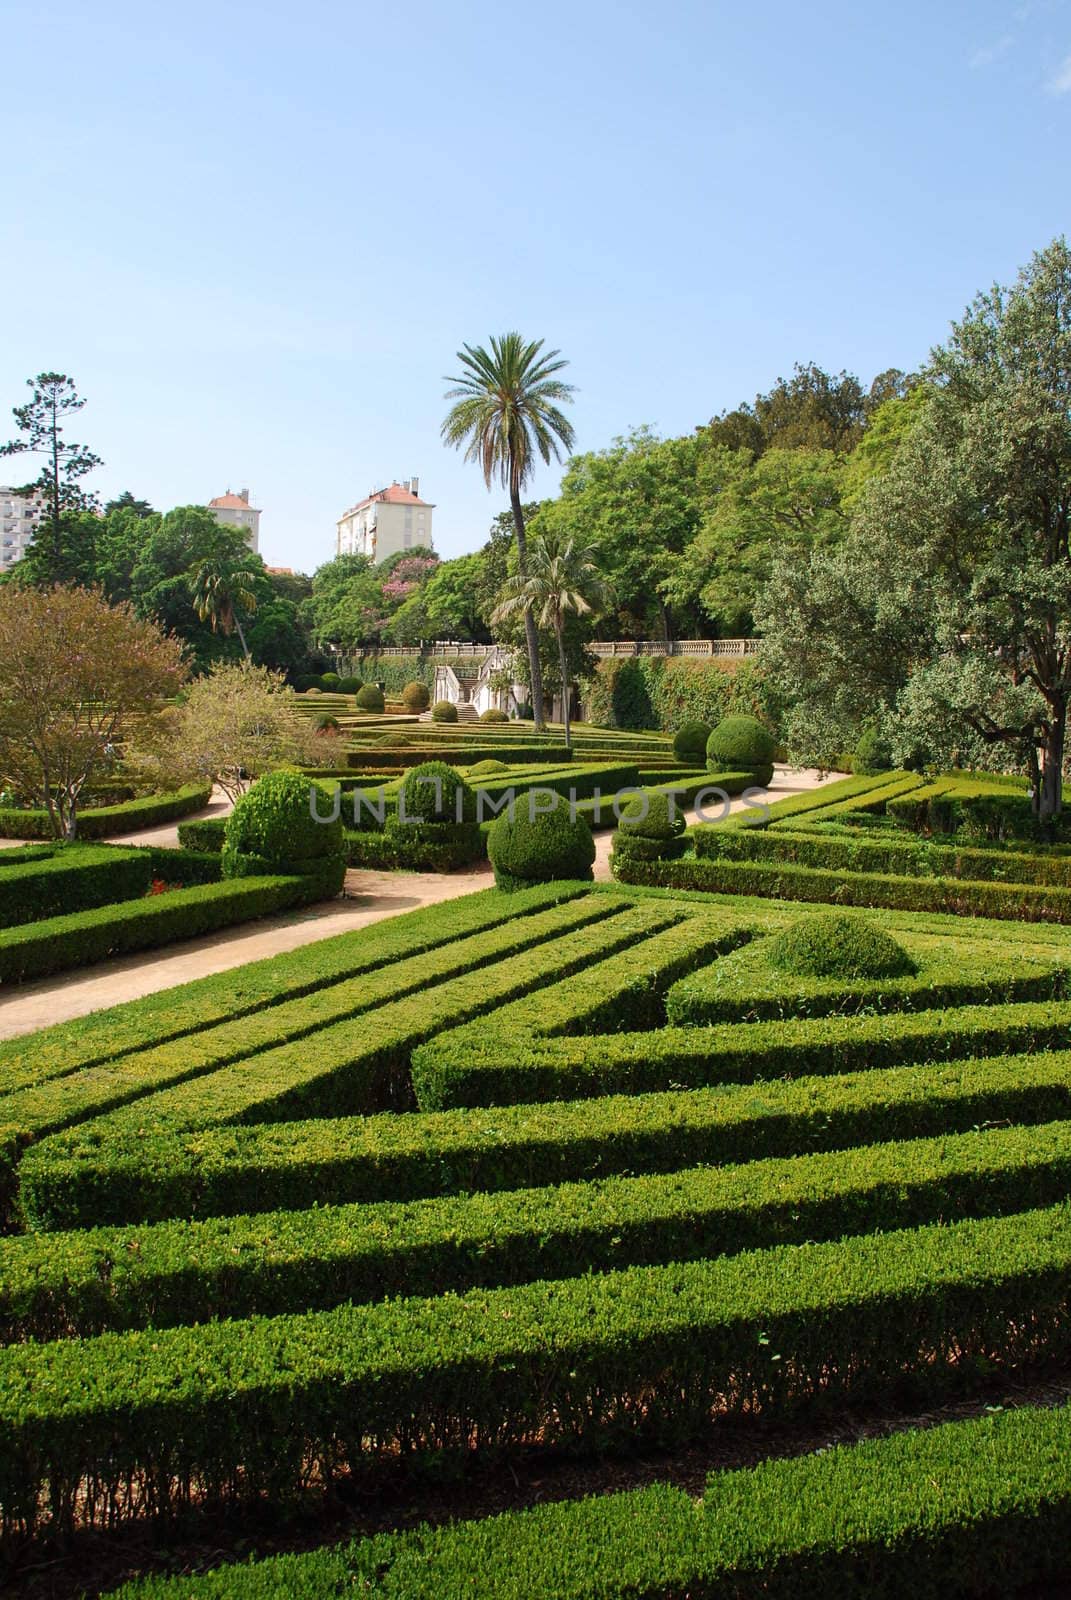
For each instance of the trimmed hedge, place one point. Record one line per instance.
(100, 822)
(781, 881)
(415, 847)
(831, 946)
(828, 794)
(268, 1406)
(59, 943)
(71, 878)
(101, 1279)
(207, 835)
(78, 1180)
(951, 1512)
(538, 846)
(356, 1032)
(901, 857)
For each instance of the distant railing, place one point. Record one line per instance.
(444, 650)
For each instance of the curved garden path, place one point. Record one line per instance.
(369, 897)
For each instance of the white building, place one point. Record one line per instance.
(236, 512)
(386, 521)
(19, 516)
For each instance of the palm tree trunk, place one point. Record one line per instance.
(530, 633)
(241, 638)
(565, 678)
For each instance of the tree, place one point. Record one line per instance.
(74, 671)
(951, 599)
(506, 411)
(812, 410)
(234, 723)
(127, 502)
(40, 421)
(638, 505)
(785, 501)
(220, 593)
(561, 578)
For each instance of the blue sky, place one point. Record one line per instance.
(256, 235)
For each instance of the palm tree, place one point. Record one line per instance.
(562, 577)
(507, 411)
(218, 592)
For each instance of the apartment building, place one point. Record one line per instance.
(386, 521)
(19, 516)
(236, 512)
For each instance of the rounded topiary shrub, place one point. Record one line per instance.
(649, 829)
(370, 698)
(835, 946)
(327, 724)
(488, 769)
(272, 829)
(349, 685)
(538, 846)
(416, 696)
(329, 682)
(493, 714)
(444, 711)
(873, 753)
(742, 744)
(435, 792)
(690, 743)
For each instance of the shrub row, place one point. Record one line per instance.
(102, 821)
(943, 1513)
(748, 987)
(98, 1431)
(74, 878)
(59, 943)
(105, 1036)
(904, 857)
(19, 854)
(884, 788)
(79, 1180)
(417, 847)
(56, 1285)
(511, 1060)
(409, 755)
(812, 800)
(356, 1065)
(280, 1044)
(206, 835)
(784, 881)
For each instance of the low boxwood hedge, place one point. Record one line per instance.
(266, 1406)
(783, 881)
(79, 1180)
(102, 821)
(949, 1512)
(207, 835)
(100, 1279)
(71, 878)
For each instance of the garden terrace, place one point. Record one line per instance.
(575, 1170)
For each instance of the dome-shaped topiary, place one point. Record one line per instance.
(349, 685)
(690, 742)
(370, 697)
(539, 846)
(327, 724)
(273, 829)
(651, 816)
(416, 696)
(329, 682)
(835, 946)
(742, 744)
(493, 714)
(488, 769)
(435, 792)
(444, 711)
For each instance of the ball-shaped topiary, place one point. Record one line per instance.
(493, 714)
(650, 828)
(416, 696)
(435, 792)
(742, 744)
(538, 845)
(836, 946)
(690, 743)
(329, 682)
(349, 685)
(327, 724)
(444, 711)
(873, 753)
(370, 698)
(488, 769)
(273, 828)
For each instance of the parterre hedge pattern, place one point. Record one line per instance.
(577, 1169)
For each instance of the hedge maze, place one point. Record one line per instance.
(572, 1169)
